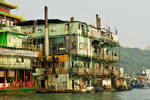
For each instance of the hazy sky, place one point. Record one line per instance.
(132, 17)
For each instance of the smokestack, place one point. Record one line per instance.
(46, 34)
(98, 22)
(72, 19)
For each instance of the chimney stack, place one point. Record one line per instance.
(98, 21)
(72, 19)
(46, 34)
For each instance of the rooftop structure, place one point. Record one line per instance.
(6, 18)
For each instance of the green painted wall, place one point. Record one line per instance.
(10, 39)
(3, 39)
(54, 29)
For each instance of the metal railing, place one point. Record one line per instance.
(9, 64)
(18, 85)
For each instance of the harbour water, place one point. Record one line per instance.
(136, 94)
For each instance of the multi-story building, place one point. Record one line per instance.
(16, 61)
(80, 55)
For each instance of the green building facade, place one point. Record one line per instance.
(78, 53)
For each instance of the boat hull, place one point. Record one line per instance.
(17, 91)
(144, 86)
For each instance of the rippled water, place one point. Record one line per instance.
(136, 94)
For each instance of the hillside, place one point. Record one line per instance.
(134, 59)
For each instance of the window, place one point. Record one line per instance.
(88, 65)
(53, 28)
(39, 30)
(79, 26)
(84, 64)
(22, 59)
(33, 29)
(66, 27)
(56, 76)
(72, 64)
(17, 60)
(83, 29)
(80, 45)
(74, 44)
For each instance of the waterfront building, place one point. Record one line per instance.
(15, 59)
(80, 55)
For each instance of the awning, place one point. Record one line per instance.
(36, 74)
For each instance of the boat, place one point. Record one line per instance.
(142, 80)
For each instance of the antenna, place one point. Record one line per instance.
(116, 31)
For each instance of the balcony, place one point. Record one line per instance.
(81, 70)
(109, 39)
(57, 70)
(87, 71)
(109, 58)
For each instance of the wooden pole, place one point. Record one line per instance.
(30, 78)
(16, 79)
(4, 78)
(24, 78)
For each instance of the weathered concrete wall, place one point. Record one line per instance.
(13, 62)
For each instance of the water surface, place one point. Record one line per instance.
(136, 94)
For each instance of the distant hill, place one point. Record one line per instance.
(147, 48)
(134, 59)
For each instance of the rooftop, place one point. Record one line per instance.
(39, 22)
(12, 16)
(3, 2)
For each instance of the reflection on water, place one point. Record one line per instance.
(137, 94)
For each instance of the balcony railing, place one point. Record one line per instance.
(13, 65)
(18, 85)
(109, 58)
(81, 71)
(109, 39)
(87, 71)
(57, 70)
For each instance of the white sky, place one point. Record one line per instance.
(132, 17)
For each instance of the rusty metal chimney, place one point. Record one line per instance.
(98, 22)
(46, 34)
(72, 19)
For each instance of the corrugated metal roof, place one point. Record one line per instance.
(39, 22)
